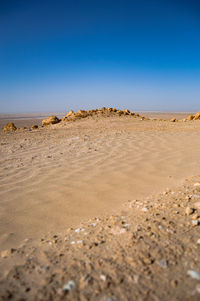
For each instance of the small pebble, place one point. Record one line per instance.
(195, 223)
(197, 184)
(69, 286)
(79, 230)
(79, 241)
(193, 274)
(144, 209)
(103, 277)
(198, 241)
(163, 263)
(189, 211)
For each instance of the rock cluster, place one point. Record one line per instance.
(106, 112)
(9, 127)
(194, 117)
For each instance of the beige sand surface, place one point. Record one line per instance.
(58, 176)
(100, 209)
(148, 251)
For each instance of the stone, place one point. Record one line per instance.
(190, 117)
(195, 223)
(126, 112)
(197, 116)
(69, 286)
(9, 127)
(70, 113)
(50, 120)
(195, 216)
(34, 127)
(173, 120)
(193, 274)
(163, 263)
(81, 114)
(5, 253)
(189, 211)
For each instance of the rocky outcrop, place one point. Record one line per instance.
(9, 127)
(50, 120)
(194, 117)
(104, 112)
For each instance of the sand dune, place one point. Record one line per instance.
(56, 177)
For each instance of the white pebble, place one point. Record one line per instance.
(144, 209)
(69, 286)
(193, 274)
(79, 230)
(195, 222)
(103, 277)
(79, 241)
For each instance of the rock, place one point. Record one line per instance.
(70, 113)
(34, 127)
(197, 116)
(198, 241)
(193, 274)
(81, 114)
(79, 230)
(126, 112)
(197, 184)
(50, 120)
(163, 263)
(195, 216)
(9, 127)
(69, 286)
(190, 117)
(195, 223)
(189, 211)
(173, 120)
(103, 277)
(5, 253)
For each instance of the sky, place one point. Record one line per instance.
(57, 55)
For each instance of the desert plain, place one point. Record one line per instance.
(100, 208)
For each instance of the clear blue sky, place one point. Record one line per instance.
(58, 55)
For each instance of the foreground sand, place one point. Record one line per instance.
(148, 251)
(57, 177)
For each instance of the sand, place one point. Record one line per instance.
(63, 175)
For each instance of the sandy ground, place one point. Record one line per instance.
(64, 175)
